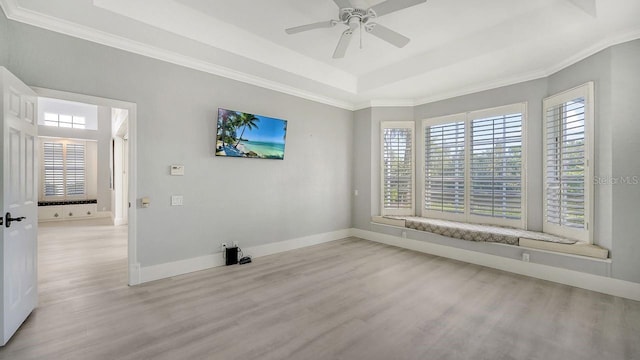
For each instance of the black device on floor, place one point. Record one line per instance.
(231, 255)
(245, 260)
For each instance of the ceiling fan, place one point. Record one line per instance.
(355, 18)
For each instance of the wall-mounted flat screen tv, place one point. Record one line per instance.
(246, 135)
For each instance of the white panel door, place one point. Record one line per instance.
(19, 200)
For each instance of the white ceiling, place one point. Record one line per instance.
(457, 46)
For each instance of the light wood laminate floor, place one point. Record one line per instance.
(349, 299)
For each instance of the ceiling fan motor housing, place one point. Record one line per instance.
(361, 15)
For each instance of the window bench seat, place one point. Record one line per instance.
(66, 210)
(497, 234)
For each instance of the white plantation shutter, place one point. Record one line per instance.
(496, 166)
(397, 168)
(75, 169)
(567, 185)
(53, 160)
(565, 164)
(444, 168)
(64, 170)
(473, 166)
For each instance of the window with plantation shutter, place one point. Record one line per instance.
(473, 167)
(397, 168)
(568, 118)
(53, 159)
(75, 166)
(496, 172)
(444, 167)
(64, 170)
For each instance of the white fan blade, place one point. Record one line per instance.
(390, 6)
(344, 4)
(387, 35)
(343, 44)
(318, 25)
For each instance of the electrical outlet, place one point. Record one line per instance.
(525, 257)
(236, 244)
(223, 246)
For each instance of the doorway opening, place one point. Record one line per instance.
(87, 186)
(119, 166)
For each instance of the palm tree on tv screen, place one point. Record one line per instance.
(227, 127)
(246, 121)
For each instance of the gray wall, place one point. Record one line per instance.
(4, 39)
(362, 168)
(625, 67)
(615, 72)
(248, 200)
(103, 138)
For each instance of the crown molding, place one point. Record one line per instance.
(385, 103)
(16, 13)
(476, 88)
(536, 74)
(195, 23)
(604, 44)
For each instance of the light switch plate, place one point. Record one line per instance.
(176, 200)
(177, 170)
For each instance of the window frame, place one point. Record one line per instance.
(75, 123)
(65, 196)
(440, 120)
(468, 118)
(587, 91)
(398, 125)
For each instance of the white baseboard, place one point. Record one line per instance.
(166, 270)
(134, 274)
(281, 246)
(180, 267)
(119, 221)
(606, 285)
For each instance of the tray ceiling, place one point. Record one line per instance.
(457, 46)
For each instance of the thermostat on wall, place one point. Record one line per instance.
(177, 170)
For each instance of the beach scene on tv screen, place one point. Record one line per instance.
(247, 135)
